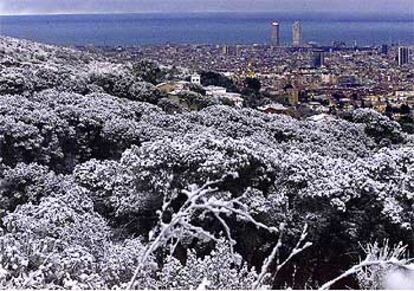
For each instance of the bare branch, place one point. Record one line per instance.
(197, 199)
(382, 257)
(300, 247)
(269, 259)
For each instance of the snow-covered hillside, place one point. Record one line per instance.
(94, 177)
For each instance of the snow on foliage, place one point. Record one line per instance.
(88, 162)
(223, 270)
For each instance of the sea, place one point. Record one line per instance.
(208, 28)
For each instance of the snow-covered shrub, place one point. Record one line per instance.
(14, 82)
(378, 126)
(25, 184)
(63, 242)
(221, 269)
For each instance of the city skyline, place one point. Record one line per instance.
(22, 7)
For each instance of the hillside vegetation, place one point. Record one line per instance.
(95, 177)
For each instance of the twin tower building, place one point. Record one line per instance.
(296, 34)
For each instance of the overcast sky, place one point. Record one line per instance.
(107, 6)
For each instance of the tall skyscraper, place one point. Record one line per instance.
(403, 56)
(275, 34)
(384, 49)
(318, 58)
(238, 51)
(225, 50)
(297, 34)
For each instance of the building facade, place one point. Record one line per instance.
(196, 79)
(275, 34)
(384, 49)
(403, 56)
(318, 58)
(296, 34)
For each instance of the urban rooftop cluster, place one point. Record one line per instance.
(299, 80)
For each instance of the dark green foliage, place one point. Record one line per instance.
(252, 84)
(217, 79)
(150, 72)
(378, 126)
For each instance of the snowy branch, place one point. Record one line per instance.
(197, 199)
(300, 247)
(375, 256)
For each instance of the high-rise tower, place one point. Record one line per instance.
(384, 49)
(297, 34)
(403, 56)
(225, 50)
(318, 58)
(275, 34)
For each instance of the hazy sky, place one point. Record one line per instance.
(105, 6)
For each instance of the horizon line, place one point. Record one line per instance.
(209, 11)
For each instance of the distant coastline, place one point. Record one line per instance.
(306, 15)
(212, 27)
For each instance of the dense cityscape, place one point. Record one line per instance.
(299, 80)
